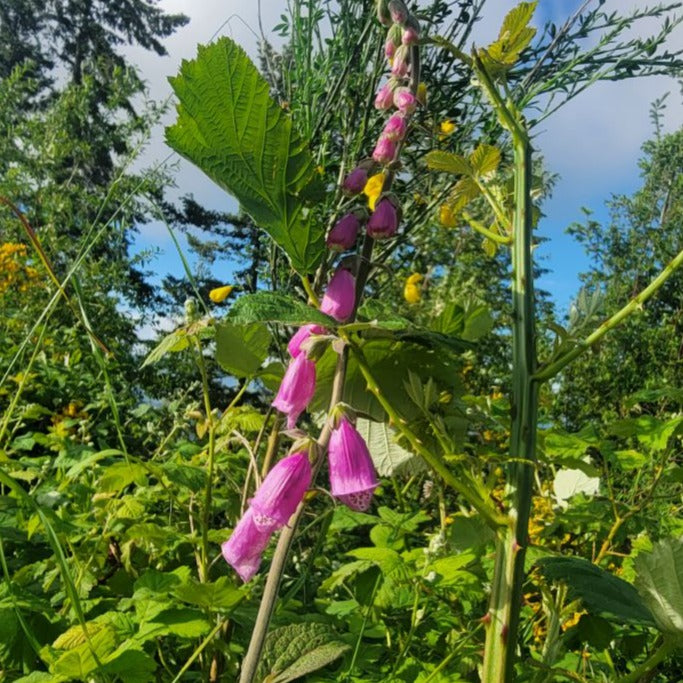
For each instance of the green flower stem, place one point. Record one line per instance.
(460, 483)
(312, 296)
(502, 619)
(489, 234)
(656, 658)
(635, 304)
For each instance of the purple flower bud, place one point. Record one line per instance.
(352, 474)
(384, 221)
(404, 100)
(300, 336)
(243, 550)
(296, 389)
(384, 151)
(399, 67)
(276, 500)
(343, 235)
(340, 295)
(389, 48)
(354, 183)
(385, 97)
(395, 128)
(410, 37)
(398, 11)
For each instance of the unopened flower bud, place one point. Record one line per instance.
(355, 181)
(384, 151)
(385, 97)
(410, 37)
(343, 235)
(404, 100)
(384, 221)
(398, 11)
(340, 296)
(395, 128)
(383, 14)
(399, 67)
(389, 49)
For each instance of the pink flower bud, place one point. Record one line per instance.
(404, 100)
(300, 336)
(276, 500)
(395, 128)
(355, 181)
(389, 48)
(343, 235)
(399, 67)
(398, 11)
(385, 97)
(352, 473)
(243, 550)
(296, 389)
(410, 37)
(384, 151)
(340, 296)
(384, 221)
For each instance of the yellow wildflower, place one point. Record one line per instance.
(421, 94)
(373, 189)
(220, 293)
(446, 128)
(412, 292)
(446, 216)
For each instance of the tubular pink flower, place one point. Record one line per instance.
(355, 181)
(385, 97)
(384, 151)
(352, 474)
(276, 500)
(395, 128)
(243, 550)
(300, 336)
(340, 296)
(343, 235)
(410, 36)
(399, 66)
(389, 48)
(404, 100)
(384, 221)
(296, 389)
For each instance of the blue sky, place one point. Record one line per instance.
(593, 143)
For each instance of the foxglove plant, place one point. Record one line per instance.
(296, 389)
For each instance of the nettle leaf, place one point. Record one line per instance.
(600, 591)
(231, 128)
(298, 649)
(388, 456)
(448, 162)
(241, 349)
(659, 580)
(272, 307)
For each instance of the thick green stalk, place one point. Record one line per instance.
(506, 596)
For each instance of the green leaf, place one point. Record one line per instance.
(600, 591)
(231, 128)
(171, 343)
(181, 622)
(130, 666)
(659, 580)
(271, 307)
(298, 649)
(388, 456)
(448, 162)
(220, 595)
(241, 349)
(485, 159)
(515, 35)
(121, 474)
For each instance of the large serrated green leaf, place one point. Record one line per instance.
(600, 591)
(241, 349)
(659, 580)
(231, 128)
(272, 307)
(514, 36)
(389, 458)
(485, 159)
(448, 162)
(297, 649)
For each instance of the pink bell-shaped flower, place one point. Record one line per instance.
(384, 151)
(389, 48)
(404, 100)
(385, 97)
(410, 36)
(395, 128)
(296, 389)
(355, 181)
(384, 221)
(352, 473)
(340, 296)
(276, 500)
(243, 550)
(343, 235)
(300, 336)
(401, 62)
